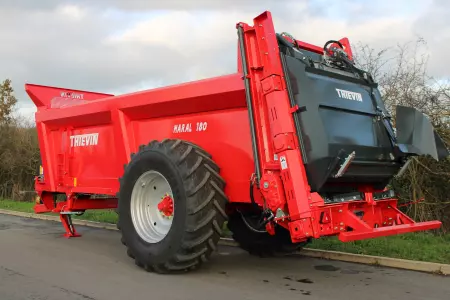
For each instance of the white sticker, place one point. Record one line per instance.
(349, 95)
(275, 157)
(83, 140)
(177, 128)
(201, 126)
(188, 127)
(283, 162)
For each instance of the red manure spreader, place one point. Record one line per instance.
(294, 146)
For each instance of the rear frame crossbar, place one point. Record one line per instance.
(356, 220)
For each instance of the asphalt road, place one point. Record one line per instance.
(37, 263)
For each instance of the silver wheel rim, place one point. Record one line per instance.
(149, 222)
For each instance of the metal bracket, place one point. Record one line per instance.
(66, 220)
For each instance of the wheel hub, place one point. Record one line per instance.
(166, 206)
(152, 207)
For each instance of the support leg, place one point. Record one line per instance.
(66, 220)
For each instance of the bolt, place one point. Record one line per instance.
(266, 185)
(335, 228)
(342, 224)
(340, 210)
(342, 228)
(384, 223)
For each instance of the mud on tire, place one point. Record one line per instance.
(199, 206)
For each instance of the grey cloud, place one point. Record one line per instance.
(434, 26)
(139, 5)
(48, 48)
(29, 4)
(41, 45)
(185, 5)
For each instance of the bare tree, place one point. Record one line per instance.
(403, 79)
(7, 101)
(19, 149)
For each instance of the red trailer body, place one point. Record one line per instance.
(242, 121)
(86, 146)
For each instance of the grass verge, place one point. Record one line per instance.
(420, 246)
(101, 215)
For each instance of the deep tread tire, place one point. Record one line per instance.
(261, 244)
(199, 206)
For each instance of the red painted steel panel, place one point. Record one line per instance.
(224, 134)
(89, 143)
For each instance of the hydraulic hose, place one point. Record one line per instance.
(248, 97)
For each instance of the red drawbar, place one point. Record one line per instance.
(390, 230)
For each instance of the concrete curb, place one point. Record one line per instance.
(428, 267)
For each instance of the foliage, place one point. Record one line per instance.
(19, 150)
(98, 215)
(421, 246)
(7, 102)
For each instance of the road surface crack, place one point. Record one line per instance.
(70, 292)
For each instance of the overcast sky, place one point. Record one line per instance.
(120, 46)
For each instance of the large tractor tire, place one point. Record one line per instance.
(259, 242)
(171, 206)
